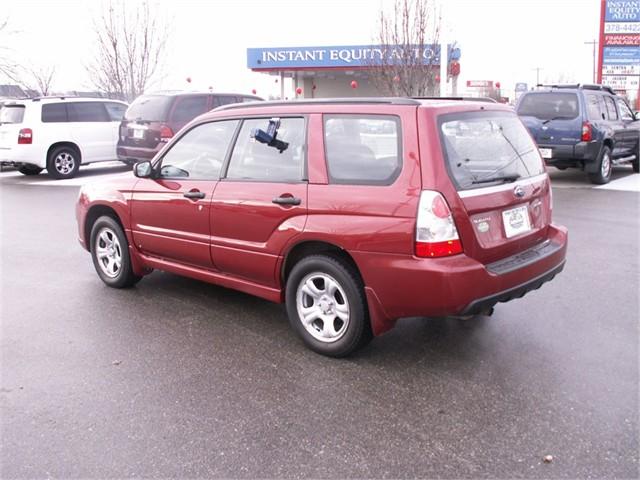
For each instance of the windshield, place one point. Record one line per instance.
(549, 105)
(11, 113)
(152, 108)
(488, 148)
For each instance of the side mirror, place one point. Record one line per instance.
(143, 169)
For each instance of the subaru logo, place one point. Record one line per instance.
(518, 191)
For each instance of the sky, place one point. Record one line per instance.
(500, 40)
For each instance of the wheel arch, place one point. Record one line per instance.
(68, 144)
(95, 212)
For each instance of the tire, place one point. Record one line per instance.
(63, 162)
(29, 170)
(339, 320)
(561, 168)
(110, 254)
(636, 163)
(603, 174)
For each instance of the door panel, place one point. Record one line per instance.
(92, 130)
(166, 224)
(262, 203)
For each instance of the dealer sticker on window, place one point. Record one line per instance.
(546, 152)
(516, 221)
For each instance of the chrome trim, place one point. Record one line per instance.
(501, 188)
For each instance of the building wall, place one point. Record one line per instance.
(338, 85)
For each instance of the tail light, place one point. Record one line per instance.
(25, 136)
(165, 133)
(587, 132)
(436, 232)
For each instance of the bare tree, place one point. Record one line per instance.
(407, 61)
(131, 42)
(40, 79)
(8, 67)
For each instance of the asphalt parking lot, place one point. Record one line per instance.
(177, 378)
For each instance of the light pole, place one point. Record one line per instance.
(594, 43)
(537, 69)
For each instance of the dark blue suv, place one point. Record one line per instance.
(584, 126)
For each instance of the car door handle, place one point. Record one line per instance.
(287, 200)
(194, 194)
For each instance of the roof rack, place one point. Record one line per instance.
(584, 86)
(60, 97)
(462, 99)
(324, 101)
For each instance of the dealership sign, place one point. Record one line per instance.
(342, 56)
(619, 65)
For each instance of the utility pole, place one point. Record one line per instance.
(537, 69)
(594, 43)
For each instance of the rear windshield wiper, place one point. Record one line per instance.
(502, 179)
(556, 118)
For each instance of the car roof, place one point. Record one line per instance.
(177, 93)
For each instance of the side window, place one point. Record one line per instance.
(219, 100)
(54, 113)
(593, 108)
(362, 150)
(199, 154)
(87, 112)
(115, 111)
(625, 112)
(188, 108)
(611, 108)
(252, 160)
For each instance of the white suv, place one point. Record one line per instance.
(59, 133)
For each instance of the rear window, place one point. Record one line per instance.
(549, 105)
(488, 148)
(152, 108)
(11, 114)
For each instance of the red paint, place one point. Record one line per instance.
(601, 42)
(238, 238)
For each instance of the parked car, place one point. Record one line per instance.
(584, 126)
(153, 119)
(58, 133)
(292, 202)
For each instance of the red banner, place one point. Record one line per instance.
(622, 39)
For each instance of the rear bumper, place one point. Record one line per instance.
(22, 155)
(582, 152)
(458, 285)
(130, 155)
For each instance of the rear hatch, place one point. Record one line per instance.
(11, 116)
(553, 118)
(499, 191)
(144, 122)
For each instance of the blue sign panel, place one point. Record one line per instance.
(340, 56)
(622, 11)
(621, 55)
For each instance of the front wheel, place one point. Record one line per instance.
(603, 174)
(110, 254)
(327, 307)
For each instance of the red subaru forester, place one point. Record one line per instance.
(355, 212)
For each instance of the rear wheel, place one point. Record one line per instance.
(603, 174)
(63, 162)
(110, 254)
(636, 163)
(29, 170)
(327, 307)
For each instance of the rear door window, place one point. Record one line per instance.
(188, 108)
(361, 149)
(488, 148)
(252, 160)
(54, 113)
(87, 112)
(549, 105)
(11, 114)
(612, 114)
